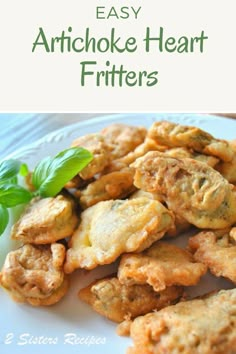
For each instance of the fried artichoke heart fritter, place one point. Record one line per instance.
(180, 225)
(200, 326)
(192, 189)
(216, 249)
(123, 138)
(114, 185)
(228, 169)
(46, 220)
(160, 266)
(34, 274)
(110, 228)
(119, 302)
(101, 151)
(176, 135)
(125, 161)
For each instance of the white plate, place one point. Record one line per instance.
(72, 326)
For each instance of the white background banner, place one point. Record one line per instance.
(47, 61)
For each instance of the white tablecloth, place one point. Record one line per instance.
(18, 130)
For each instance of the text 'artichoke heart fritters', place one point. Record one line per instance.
(110, 228)
(119, 302)
(34, 274)
(200, 326)
(101, 150)
(192, 189)
(216, 249)
(174, 135)
(46, 220)
(123, 138)
(160, 266)
(114, 185)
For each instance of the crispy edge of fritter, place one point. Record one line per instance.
(176, 135)
(62, 226)
(162, 265)
(217, 250)
(114, 185)
(204, 325)
(119, 302)
(57, 258)
(202, 196)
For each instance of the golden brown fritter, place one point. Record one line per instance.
(174, 135)
(232, 233)
(160, 266)
(180, 225)
(211, 161)
(228, 169)
(78, 182)
(101, 151)
(123, 138)
(34, 274)
(125, 161)
(140, 194)
(192, 189)
(46, 220)
(118, 302)
(114, 185)
(113, 227)
(199, 326)
(183, 152)
(216, 249)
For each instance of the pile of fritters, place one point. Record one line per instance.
(141, 186)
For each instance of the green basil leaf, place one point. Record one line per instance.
(13, 180)
(24, 170)
(9, 168)
(41, 171)
(12, 195)
(51, 174)
(4, 218)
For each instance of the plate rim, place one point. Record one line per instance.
(106, 118)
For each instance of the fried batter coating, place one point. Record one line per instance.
(78, 182)
(216, 249)
(124, 138)
(46, 220)
(192, 189)
(232, 233)
(118, 302)
(182, 152)
(180, 225)
(101, 151)
(34, 274)
(160, 266)
(125, 161)
(110, 228)
(114, 185)
(174, 135)
(228, 169)
(199, 326)
(151, 145)
(209, 160)
(140, 194)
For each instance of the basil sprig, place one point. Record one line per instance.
(4, 218)
(51, 174)
(9, 170)
(48, 178)
(11, 194)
